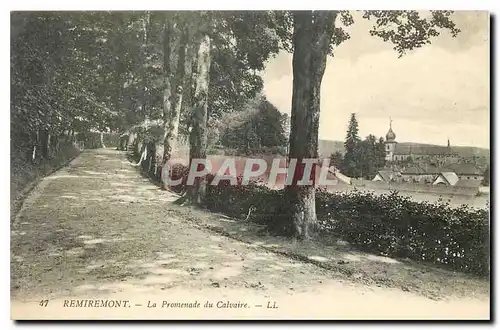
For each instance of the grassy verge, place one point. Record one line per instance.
(24, 175)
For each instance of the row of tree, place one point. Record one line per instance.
(362, 158)
(111, 70)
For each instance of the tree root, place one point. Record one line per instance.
(143, 157)
(183, 201)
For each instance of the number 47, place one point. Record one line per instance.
(44, 303)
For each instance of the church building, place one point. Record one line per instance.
(395, 151)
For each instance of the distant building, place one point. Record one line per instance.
(339, 176)
(461, 175)
(390, 144)
(452, 179)
(395, 151)
(386, 176)
(467, 172)
(446, 178)
(468, 183)
(417, 174)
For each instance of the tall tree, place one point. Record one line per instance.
(337, 159)
(176, 85)
(351, 165)
(369, 156)
(68, 68)
(168, 31)
(233, 47)
(380, 153)
(314, 36)
(198, 134)
(259, 126)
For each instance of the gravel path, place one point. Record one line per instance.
(99, 229)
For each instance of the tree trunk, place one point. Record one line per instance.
(102, 140)
(55, 144)
(198, 134)
(35, 148)
(49, 145)
(172, 124)
(143, 152)
(144, 103)
(151, 147)
(312, 35)
(189, 81)
(45, 143)
(167, 93)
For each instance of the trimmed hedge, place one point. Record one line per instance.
(235, 201)
(390, 224)
(394, 225)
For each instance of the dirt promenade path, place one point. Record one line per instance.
(98, 230)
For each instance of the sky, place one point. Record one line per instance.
(435, 93)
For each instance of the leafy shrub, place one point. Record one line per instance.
(236, 200)
(389, 224)
(394, 225)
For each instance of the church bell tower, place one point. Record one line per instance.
(390, 143)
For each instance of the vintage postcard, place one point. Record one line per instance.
(250, 165)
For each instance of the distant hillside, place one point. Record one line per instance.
(472, 151)
(327, 147)
(463, 151)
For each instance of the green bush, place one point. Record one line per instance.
(390, 224)
(393, 225)
(236, 200)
